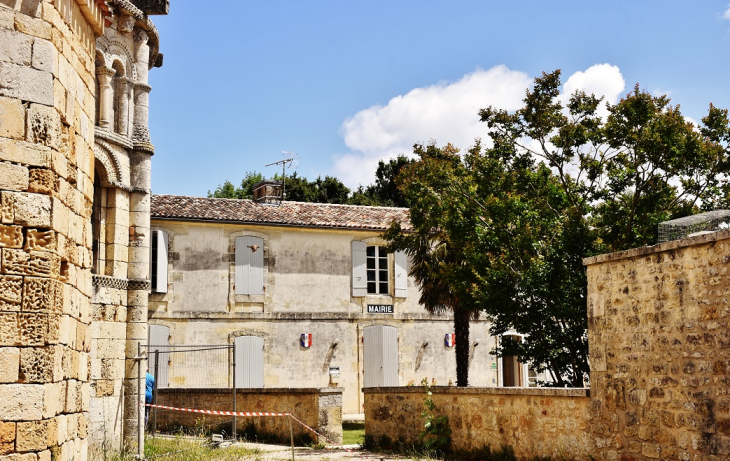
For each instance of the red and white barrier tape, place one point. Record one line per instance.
(252, 413)
(216, 412)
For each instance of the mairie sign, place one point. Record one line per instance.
(380, 308)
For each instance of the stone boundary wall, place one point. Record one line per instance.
(320, 409)
(659, 344)
(534, 421)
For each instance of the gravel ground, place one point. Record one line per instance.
(282, 453)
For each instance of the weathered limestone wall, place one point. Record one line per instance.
(535, 422)
(660, 350)
(320, 409)
(46, 185)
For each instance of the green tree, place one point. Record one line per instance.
(384, 192)
(245, 191)
(327, 190)
(614, 180)
(440, 264)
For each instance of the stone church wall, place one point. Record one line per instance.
(46, 186)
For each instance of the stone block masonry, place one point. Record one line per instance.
(659, 339)
(320, 409)
(534, 421)
(46, 182)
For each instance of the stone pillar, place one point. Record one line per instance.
(106, 97)
(141, 88)
(123, 88)
(138, 275)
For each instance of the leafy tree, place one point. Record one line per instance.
(503, 230)
(440, 263)
(385, 190)
(228, 190)
(643, 164)
(327, 190)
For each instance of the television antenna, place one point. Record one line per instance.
(291, 161)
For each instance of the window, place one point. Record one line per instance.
(158, 261)
(249, 265)
(377, 272)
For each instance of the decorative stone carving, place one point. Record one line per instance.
(7, 215)
(140, 36)
(11, 289)
(39, 295)
(112, 168)
(9, 334)
(36, 364)
(11, 236)
(43, 181)
(40, 240)
(32, 329)
(125, 23)
(139, 284)
(42, 263)
(105, 281)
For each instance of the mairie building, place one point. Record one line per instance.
(307, 292)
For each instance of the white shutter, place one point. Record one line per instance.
(380, 356)
(249, 265)
(249, 361)
(390, 356)
(162, 246)
(359, 272)
(158, 338)
(401, 274)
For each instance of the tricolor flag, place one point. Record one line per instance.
(450, 339)
(306, 340)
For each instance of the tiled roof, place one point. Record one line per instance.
(288, 214)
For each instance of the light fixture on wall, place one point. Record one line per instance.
(305, 340)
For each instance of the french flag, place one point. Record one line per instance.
(306, 340)
(450, 339)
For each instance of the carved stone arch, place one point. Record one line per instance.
(111, 170)
(119, 50)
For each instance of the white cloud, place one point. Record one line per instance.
(447, 113)
(726, 14)
(600, 79)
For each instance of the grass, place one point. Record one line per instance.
(353, 433)
(180, 449)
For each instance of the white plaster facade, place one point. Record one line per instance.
(308, 288)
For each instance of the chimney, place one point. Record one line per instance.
(268, 192)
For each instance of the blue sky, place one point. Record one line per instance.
(345, 83)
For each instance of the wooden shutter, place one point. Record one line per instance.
(249, 265)
(390, 356)
(401, 274)
(162, 246)
(380, 356)
(158, 338)
(359, 273)
(249, 361)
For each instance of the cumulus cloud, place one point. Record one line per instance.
(726, 14)
(447, 113)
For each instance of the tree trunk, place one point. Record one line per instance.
(461, 330)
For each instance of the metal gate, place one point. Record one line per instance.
(249, 361)
(380, 356)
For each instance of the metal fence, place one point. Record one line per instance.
(177, 369)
